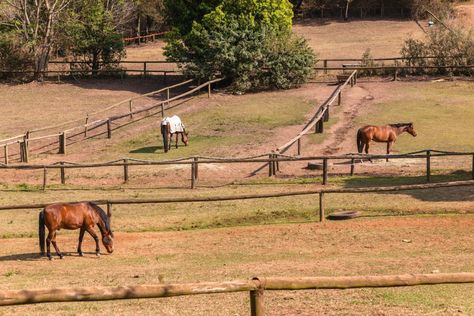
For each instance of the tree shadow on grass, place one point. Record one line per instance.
(453, 194)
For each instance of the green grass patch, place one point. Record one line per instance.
(242, 120)
(442, 114)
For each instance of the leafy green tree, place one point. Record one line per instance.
(91, 34)
(247, 41)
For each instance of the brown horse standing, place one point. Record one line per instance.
(83, 216)
(382, 134)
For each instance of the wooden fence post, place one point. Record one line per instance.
(22, 155)
(196, 168)
(209, 90)
(256, 301)
(277, 165)
(270, 165)
(352, 166)
(321, 206)
(25, 146)
(162, 110)
(85, 126)
(428, 166)
(62, 143)
(62, 173)
(125, 170)
(395, 74)
(144, 70)
(130, 108)
(326, 114)
(109, 129)
(193, 175)
(168, 96)
(325, 63)
(352, 82)
(299, 146)
(5, 152)
(472, 166)
(44, 178)
(325, 171)
(339, 97)
(319, 128)
(355, 78)
(109, 212)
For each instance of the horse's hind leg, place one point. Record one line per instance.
(79, 246)
(48, 245)
(56, 246)
(176, 143)
(367, 150)
(91, 231)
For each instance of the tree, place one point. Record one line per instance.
(90, 32)
(35, 24)
(247, 41)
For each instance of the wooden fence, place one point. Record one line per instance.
(272, 161)
(89, 129)
(322, 192)
(143, 38)
(255, 286)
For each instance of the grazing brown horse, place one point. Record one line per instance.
(382, 134)
(173, 125)
(83, 216)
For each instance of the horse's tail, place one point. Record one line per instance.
(41, 232)
(360, 143)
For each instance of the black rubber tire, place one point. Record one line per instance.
(343, 215)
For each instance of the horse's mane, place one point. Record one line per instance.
(400, 124)
(102, 215)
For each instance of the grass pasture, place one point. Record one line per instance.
(442, 114)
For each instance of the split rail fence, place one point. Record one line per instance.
(88, 129)
(143, 38)
(255, 286)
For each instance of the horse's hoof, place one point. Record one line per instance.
(60, 257)
(50, 258)
(81, 254)
(97, 254)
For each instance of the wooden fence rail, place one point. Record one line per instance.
(255, 286)
(322, 192)
(82, 130)
(273, 161)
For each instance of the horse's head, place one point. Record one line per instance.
(409, 129)
(108, 241)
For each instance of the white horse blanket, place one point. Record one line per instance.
(176, 126)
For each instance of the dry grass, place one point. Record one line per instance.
(359, 247)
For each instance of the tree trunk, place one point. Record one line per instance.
(41, 61)
(346, 14)
(95, 63)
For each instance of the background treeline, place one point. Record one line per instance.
(371, 8)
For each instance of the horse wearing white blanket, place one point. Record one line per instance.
(173, 125)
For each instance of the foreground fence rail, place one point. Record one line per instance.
(255, 286)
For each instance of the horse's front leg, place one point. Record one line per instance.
(79, 246)
(91, 231)
(389, 147)
(176, 143)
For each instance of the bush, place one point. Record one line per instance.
(248, 42)
(13, 57)
(448, 47)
